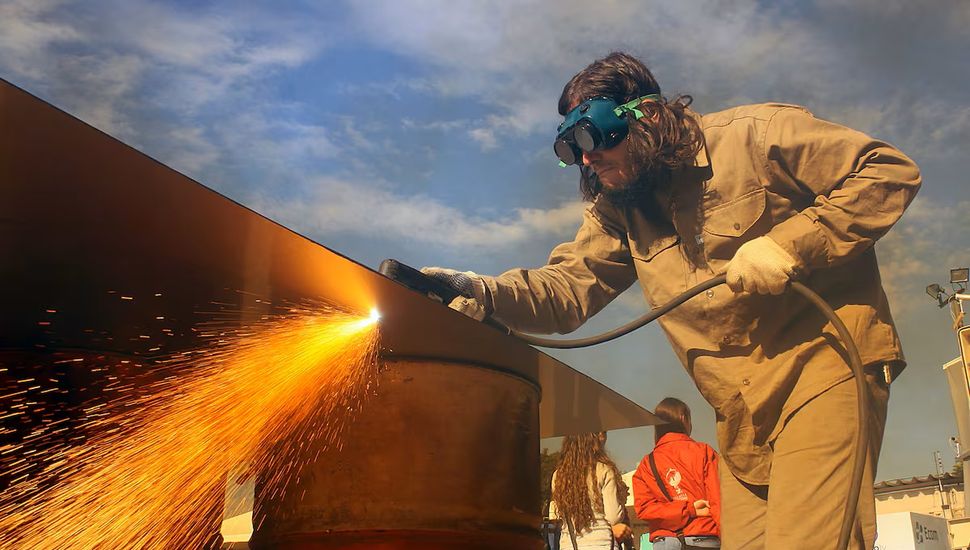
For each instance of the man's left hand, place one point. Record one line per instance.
(760, 266)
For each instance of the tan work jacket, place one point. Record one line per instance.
(823, 192)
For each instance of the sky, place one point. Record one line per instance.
(423, 130)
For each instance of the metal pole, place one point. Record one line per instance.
(944, 498)
(959, 458)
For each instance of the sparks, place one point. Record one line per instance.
(152, 474)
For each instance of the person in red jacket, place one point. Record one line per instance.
(684, 509)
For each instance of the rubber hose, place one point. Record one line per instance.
(855, 363)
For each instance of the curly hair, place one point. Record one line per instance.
(665, 138)
(576, 475)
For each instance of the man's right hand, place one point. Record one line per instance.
(702, 508)
(470, 286)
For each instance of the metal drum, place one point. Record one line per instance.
(444, 456)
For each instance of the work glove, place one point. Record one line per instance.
(760, 266)
(470, 285)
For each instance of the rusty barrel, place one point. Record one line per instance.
(443, 456)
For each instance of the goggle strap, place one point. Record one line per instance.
(631, 106)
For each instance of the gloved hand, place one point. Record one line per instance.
(760, 266)
(470, 285)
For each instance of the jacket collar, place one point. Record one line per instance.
(671, 437)
(702, 161)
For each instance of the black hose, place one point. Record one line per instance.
(855, 363)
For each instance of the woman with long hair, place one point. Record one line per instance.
(588, 495)
(675, 488)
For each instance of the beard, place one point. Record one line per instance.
(640, 191)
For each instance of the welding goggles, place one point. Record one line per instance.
(595, 124)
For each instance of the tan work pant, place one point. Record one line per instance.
(810, 477)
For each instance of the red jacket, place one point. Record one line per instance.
(696, 464)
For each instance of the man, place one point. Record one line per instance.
(766, 194)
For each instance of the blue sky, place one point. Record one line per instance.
(422, 130)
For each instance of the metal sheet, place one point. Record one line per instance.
(111, 240)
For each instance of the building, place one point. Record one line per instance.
(915, 494)
(924, 495)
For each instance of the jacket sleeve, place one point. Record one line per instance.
(653, 508)
(612, 508)
(712, 484)
(860, 185)
(580, 278)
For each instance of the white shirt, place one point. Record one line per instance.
(602, 494)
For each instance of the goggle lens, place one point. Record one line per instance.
(586, 136)
(566, 151)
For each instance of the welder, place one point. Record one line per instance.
(765, 194)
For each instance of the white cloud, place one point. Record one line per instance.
(511, 58)
(929, 240)
(346, 206)
(109, 81)
(485, 137)
(434, 125)
(225, 44)
(160, 75)
(356, 136)
(477, 49)
(93, 87)
(26, 32)
(181, 58)
(193, 153)
(172, 37)
(281, 151)
(515, 57)
(926, 129)
(201, 56)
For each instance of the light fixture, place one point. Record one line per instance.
(936, 292)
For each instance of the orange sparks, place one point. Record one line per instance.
(153, 472)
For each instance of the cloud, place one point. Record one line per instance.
(435, 125)
(26, 33)
(108, 81)
(476, 48)
(93, 87)
(191, 150)
(109, 70)
(485, 137)
(204, 56)
(346, 206)
(929, 240)
(191, 83)
(183, 83)
(749, 53)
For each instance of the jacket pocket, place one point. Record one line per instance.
(647, 251)
(729, 225)
(735, 218)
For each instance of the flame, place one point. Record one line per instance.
(156, 465)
